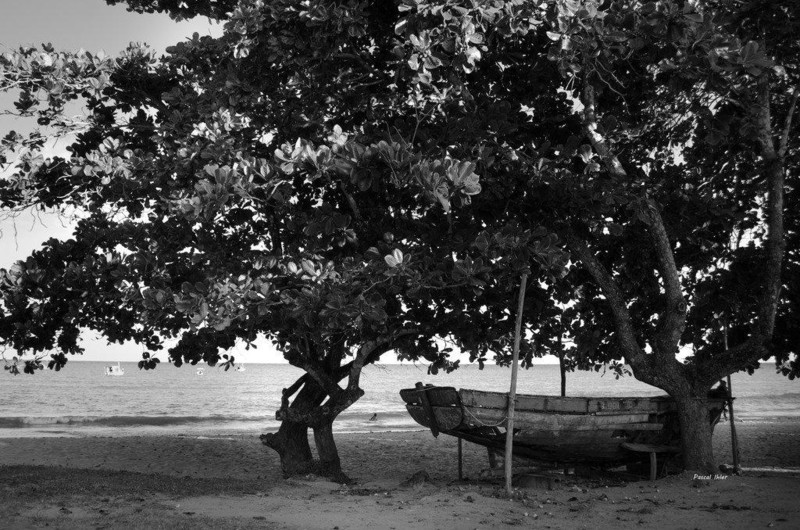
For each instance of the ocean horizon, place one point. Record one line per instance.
(80, 400)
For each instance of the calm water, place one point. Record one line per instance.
(80, 400)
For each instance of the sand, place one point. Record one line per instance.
(235, 482)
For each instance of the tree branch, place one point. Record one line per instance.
(763, 120)
(351, 202)
(599, 144)
(732, 359)
(776, 243)
(316, 371)
(672, 321)
(757, 345)
(619, 310)
(366, 355)
(289, 392)
(787, 125)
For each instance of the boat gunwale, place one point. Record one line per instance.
(465, 392)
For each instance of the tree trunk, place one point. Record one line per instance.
(329, 463)
(291, 440)
(696, 433)
(291, 444)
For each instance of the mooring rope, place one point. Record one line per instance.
(481, 423)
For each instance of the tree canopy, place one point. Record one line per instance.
(348, 178)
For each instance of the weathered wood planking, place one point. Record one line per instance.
(602, 450)
(438, 396)
(478, 417)
(574, 405)
(588, 443)
(447, 418)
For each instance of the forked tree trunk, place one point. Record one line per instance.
(291, 440)
(696, 433)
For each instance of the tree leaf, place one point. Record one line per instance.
(585, 152)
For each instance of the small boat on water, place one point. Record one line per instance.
(553, 429)
(240, 368)
(115, 370)
(201, 371)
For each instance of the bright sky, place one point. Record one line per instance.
(90, 24)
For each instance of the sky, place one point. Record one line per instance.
(93, 26)
(71, 25)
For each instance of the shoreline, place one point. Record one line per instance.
(25, 427)
(763, 444)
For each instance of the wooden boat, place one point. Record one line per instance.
(553, 429)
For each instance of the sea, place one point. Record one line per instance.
(80, 400)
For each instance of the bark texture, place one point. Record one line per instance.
(291, 440)
(291, 444)
(696, 432)
(329, 463)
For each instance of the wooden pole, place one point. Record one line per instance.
(563, 371)
(562, 367)
(460, 459)
(512, 394)
(734, 437)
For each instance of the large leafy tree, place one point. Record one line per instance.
(312, 176)
(675, 186)
(290, 181)
(667, 180)
(687, 113)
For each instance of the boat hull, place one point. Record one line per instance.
(552, 429)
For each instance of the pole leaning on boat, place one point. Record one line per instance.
(512, 395)
(734, 438)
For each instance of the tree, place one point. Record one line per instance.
(678, 144)
(709, 79)
(445, 147)
(179, 9)
(268, 183)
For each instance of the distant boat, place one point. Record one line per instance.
(200, 371)
(115, 370)
(240, 368)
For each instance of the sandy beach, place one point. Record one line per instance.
(235, 482)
